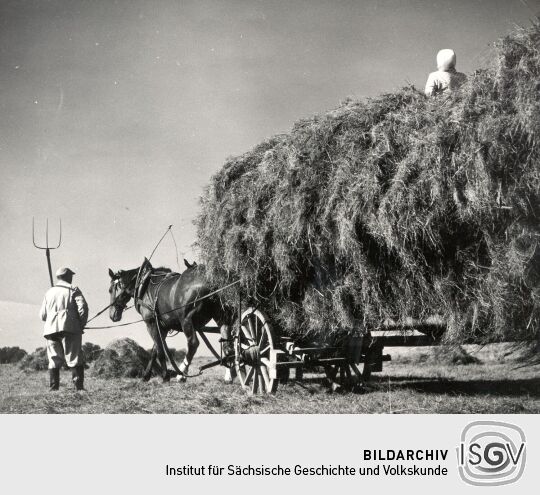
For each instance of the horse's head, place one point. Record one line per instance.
(121, 290)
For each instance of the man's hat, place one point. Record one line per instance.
(64, 271)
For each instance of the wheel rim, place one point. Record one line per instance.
(252, 353)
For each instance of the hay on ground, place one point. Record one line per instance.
(393, 207)
(37, 361)
(91, 352)
(451, 355)
(447, 355)
(122, 358)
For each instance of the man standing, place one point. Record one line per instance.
(446, 77)
(65, 312)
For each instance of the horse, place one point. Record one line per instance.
(170, 301)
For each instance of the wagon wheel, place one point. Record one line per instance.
(252, 353)
(366, 372)
(373, 356)
(344, 376)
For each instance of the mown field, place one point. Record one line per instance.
(412, 383)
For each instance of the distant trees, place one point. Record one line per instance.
(9, 355)
(38, 361)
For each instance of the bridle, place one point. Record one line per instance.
(121, 300)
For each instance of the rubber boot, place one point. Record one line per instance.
(77, 374)
(54, 379)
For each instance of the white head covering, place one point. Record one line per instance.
(446, 59)
(63, 271)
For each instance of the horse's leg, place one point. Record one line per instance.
(148, 371)
(160, 352)
(228, 350)
(192, 344)
(176, 370)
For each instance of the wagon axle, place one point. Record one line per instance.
(251, 355)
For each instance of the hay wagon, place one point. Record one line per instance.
(263, 357)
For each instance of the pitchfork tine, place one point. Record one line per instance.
(60, 236)
(46, 235)
(47, 249)
(34, 233)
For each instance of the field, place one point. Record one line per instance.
(412, 383)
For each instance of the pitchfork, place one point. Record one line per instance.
(47, 248)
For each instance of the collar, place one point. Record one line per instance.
(61, 283)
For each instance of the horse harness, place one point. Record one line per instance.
(139, 294)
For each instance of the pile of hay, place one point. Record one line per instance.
(453, 355)
(91, 352)
(178, 354)
(122, 358)
(436, 355)
(10, 355)
(37, 361)
(392, 207)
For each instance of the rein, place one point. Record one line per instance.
(106, 308)
(213, 293)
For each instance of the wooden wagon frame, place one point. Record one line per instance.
(263, 358)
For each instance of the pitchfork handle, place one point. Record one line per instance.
(48, 255)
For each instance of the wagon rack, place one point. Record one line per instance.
(263, 357)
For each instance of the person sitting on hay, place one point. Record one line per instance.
(446, 78)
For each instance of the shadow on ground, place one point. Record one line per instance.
(501, 387)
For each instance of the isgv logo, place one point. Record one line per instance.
(491, 453)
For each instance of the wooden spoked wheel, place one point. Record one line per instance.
(343, 376)
(253, 344)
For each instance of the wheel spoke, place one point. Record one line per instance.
(356, 371)
(256, 334)
(265, 349)
(247, 333)
(255, 384)
(348, 373)
(266, 377)
(249, 375)
(264, 338)
(250, 325)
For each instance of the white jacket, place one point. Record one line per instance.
(64, 309)
(443, 80)
(446, 77)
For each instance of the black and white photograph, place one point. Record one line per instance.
(270, 207)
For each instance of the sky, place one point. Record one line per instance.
(115, 114)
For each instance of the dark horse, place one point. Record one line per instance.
(169, 301)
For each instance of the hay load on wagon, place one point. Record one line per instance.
(393, 207)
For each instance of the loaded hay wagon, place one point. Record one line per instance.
(393, 206)
(397, 205)
(263, 357)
